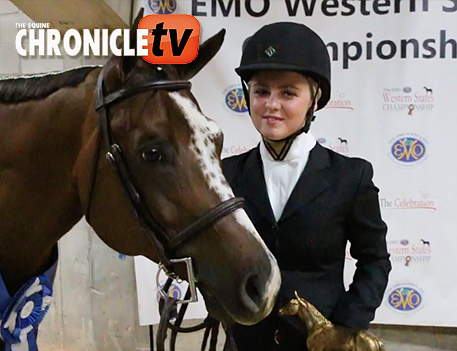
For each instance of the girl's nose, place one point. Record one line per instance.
(272, 103)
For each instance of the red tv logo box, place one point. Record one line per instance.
(171, 38)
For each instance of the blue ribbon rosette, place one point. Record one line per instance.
(24, 313)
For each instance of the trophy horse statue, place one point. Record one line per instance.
(323, 335)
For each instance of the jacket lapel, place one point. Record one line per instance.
(255, 188)
(312, 182)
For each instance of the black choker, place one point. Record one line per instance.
(278, 156)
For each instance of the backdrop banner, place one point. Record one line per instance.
(394, 80)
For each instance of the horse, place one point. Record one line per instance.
(428, 90)
(342, 141)
(425, 242)
(126, 146)
(323, 335)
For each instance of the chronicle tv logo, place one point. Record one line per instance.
(162, 7)
(163, 43)
(169, 39)
(408, 149)
(408, 100)
(235, 101)
(405, 298)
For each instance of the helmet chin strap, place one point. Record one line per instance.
(288, 141)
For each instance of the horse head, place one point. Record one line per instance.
(307, 312)
(291, 309)
(170, 152)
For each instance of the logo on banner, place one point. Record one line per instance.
(235, 101)
(405, 298)
(407, 100)
(340, 103)
(235, 150)
(409, 253)
(340, 145)
(408, 149)
(424, 202)
(162, 7)
(174, 291)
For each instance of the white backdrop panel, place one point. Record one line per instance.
(369, 113)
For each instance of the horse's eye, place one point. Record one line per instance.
(152, 155)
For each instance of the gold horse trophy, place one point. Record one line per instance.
(323, 335)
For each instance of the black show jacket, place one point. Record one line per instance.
(334, 201)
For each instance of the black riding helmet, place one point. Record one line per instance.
(287, 46)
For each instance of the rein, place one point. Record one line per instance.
(168, 311)
(165, 245)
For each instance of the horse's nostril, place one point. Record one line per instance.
(251, 294)
(252, 289)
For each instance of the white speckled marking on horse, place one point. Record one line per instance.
(203, 132)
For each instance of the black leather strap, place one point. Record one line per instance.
(206, 221)
(169, 85)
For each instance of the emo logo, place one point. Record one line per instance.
(162, 7)
(174, 291)
(408, 149)
(405, 298)
(235, 101)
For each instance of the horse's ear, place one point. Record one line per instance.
(118, 67)
(134, 28)
(296, 295)
(206, 52)
(128, 62)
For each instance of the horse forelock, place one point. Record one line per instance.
(38, 86)
(204, 132)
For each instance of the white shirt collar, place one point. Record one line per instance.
(300, 148)
(282, 176)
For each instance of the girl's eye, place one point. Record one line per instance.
(151, 155)
(260, 91)
(289, 93)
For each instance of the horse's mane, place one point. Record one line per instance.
(23, 88)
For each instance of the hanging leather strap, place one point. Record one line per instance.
(168, 309)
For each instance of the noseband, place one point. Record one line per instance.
(165, 245)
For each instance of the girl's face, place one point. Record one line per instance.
(279, 101)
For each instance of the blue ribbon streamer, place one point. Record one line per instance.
(22, 313)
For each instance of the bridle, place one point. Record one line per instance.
(165, 245)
